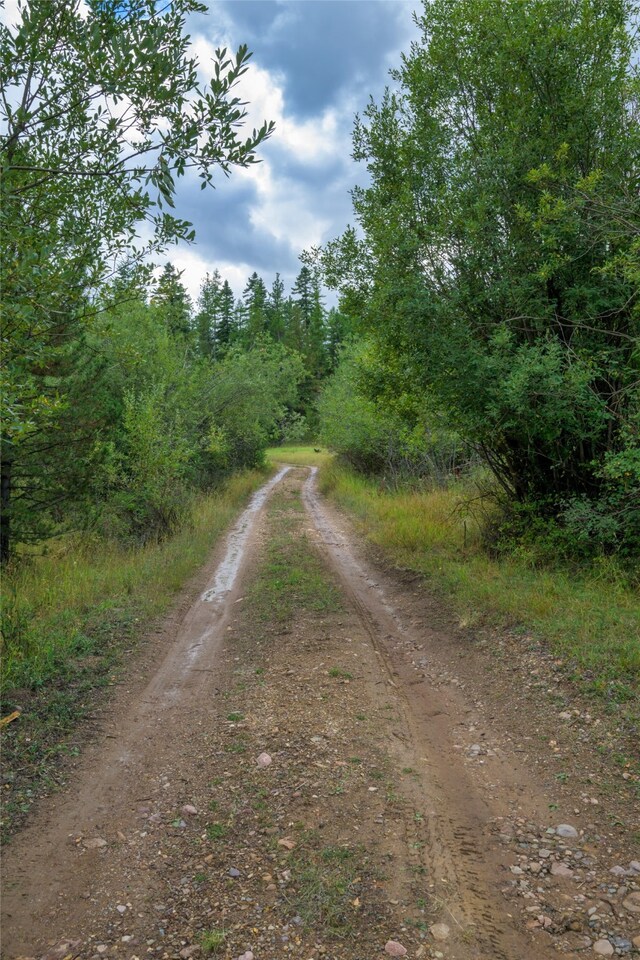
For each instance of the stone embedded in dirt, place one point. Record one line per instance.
(62, 949)
(561, 870)
(187, 952)
(635, 866)
(246, 956)
(566, 830)
(395, 949)
(189, 810)
(264, 760)
(621, 944)
(121, 908)
(94, 843)
(632, 903)
(603, 948)
(439, 931)
(233, 872)
(287, 843)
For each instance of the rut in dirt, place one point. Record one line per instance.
(364, 825)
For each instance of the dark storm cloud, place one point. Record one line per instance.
(324, 47)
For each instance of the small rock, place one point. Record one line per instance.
(233, 872)
(565, 715)
(632, 903)
(621, 944)
(439, 931)
(246, 956)
(566, 830)
(395, 949)
(121, 908)
(95, 843)
(561, 870)
(187, 952)
(618, 871)
(189, 810)
(603, 948)
(636, 942)
(264, 760)
(635, 866)
(102, 948)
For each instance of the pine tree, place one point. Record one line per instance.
(174, 301)
(254, 299)
(276, 310)
(226, 330)
(208, 317)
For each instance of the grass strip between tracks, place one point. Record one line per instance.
(588, 617)
(69, 620)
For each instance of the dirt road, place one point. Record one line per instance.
(315, 766)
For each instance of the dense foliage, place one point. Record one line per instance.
(499, 253)
(380, 424)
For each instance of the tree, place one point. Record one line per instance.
(254, 300)
(207, 319)
(174, 302)
(487, 263)
(226, 332)
(103, 110)
(276, 310)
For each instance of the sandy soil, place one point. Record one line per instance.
(412, 782)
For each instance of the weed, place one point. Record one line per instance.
(216, 831)
(212, 940)
(339, 672)
(235, 717)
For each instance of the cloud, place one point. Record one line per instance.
(315, 63)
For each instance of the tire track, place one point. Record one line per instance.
(458, 854)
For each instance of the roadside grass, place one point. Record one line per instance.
(299, 455)
(292, 577)
(589, 617)
(328, 881)
(70, 619)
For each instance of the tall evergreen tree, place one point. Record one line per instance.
(174, 301)
(207, 319)
(254, 299)
(276, 310)
(226, 330)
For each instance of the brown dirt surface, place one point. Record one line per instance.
(320, 764)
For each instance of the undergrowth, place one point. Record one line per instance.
(588, 615)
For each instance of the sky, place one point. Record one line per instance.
(315, 64)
